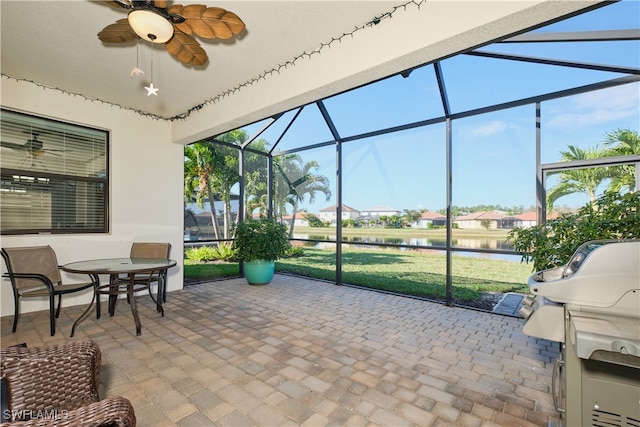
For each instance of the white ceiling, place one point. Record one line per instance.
(55, 44)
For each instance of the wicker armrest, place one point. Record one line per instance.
(61, 377)
(111, 412)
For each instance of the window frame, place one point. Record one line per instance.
(60, 182)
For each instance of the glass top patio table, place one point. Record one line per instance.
(118, 265)
(113, 267)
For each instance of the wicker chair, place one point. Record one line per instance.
(34, 272)
(58, 386)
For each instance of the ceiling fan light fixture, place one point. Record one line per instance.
(150, 25)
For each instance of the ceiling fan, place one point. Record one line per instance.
(174, 25)
(34, 147)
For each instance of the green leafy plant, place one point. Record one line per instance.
(263, 239)
(222, 251)
(314, 221)
(294, 252)
(200, 254)
(611, 216)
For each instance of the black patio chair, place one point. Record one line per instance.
(34, 272)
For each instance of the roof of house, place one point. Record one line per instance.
(479, 216)
(527, 216)
(432, 215)
(299, 215)
(345, 208)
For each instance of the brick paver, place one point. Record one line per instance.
(301, 352)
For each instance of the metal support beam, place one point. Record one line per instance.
(336, 136)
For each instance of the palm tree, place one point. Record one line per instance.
(198, 172)
(255, 179)
(212, 169)
(296, 179)
(226, 172)
(584, 180)
(623, 142)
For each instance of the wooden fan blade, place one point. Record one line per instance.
(186, 49)
(119, 32)
(207, 22)
(162, 4)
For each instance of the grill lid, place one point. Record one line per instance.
(598, 275)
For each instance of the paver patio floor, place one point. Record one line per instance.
(298, 352)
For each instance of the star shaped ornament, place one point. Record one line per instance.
(151, 90)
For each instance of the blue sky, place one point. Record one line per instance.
(493, 156)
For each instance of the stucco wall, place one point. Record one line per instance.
(146, 174)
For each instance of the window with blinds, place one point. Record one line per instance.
(54, 176)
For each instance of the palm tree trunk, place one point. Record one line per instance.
(293, 219)
(227, 218)
(214, 217)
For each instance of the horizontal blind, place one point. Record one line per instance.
(54, 175)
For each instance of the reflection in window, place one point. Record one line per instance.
(54, 176)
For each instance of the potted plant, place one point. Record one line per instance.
(259, 243)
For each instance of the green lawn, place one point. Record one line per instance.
(407, 272)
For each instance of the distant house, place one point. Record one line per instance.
(197, 226)
(300, 220)
(204, 218)
(508, 222)
(378, 211)
(431, 219)
(529, 219)
(526, 219)
(491, 220)
(330, 214)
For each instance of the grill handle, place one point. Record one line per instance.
(556, 377)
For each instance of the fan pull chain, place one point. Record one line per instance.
(150, 89)
(137, 71)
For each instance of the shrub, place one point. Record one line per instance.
(313, 220)
(294, 252)
(200, 253)
(222, 251)
(611, 216)
(263, 239)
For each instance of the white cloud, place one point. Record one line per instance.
(597, 107)
(490, 128)
(617, 98)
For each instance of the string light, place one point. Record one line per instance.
(290, 63)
